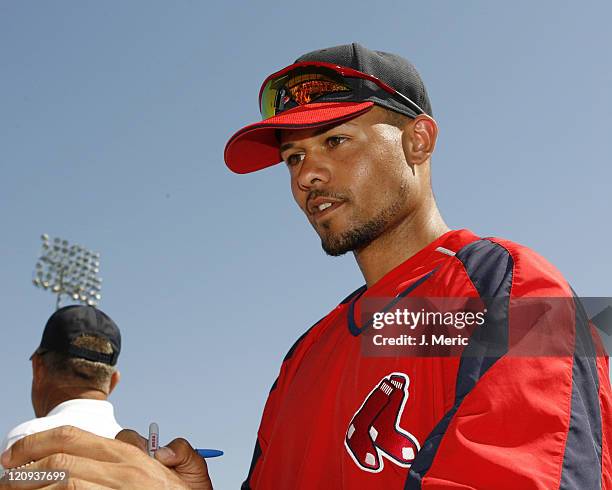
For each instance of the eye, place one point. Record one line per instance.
(334, 141)
(293, 159)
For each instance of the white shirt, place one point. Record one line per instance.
(97, 416)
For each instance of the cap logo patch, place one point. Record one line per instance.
(303, 89)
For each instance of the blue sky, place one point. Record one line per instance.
(114, 119)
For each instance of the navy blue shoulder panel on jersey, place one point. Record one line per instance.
(582, 458)
(490, 268)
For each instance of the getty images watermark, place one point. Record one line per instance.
(410, 320)
(447, 327)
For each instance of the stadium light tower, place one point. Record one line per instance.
(69, 270)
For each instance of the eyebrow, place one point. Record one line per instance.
(317, 132)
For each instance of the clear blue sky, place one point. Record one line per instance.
(114, 116)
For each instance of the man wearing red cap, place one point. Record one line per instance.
(495, 408)
(355, 129)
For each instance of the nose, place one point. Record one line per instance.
(314, 171)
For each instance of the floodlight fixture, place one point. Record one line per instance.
(66, 270)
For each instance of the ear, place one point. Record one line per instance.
(115, 377)
(419, 139)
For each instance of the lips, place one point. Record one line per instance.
(320, 206)
(323, 214)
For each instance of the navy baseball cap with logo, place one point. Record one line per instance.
(71, 322)
(321, 88)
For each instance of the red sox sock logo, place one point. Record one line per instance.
(374, 431)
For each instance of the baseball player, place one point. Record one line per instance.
(355, 130)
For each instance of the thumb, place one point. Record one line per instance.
(186, 462)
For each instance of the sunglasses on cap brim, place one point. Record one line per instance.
(304, 82)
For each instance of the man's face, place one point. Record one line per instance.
(351, 180)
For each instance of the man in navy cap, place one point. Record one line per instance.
(73, 373)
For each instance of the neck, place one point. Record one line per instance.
(60, 394)
(401, 242)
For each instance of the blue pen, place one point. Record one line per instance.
(153, 444)
(209, 453)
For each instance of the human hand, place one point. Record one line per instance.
(179, 456)
(93, 462)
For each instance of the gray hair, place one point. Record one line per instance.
(96, 374)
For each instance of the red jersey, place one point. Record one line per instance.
(338, 419)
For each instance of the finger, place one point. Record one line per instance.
(68, 440)
(187, 463)
(178, 453)
(134, 438)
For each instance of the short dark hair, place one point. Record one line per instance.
(96, 374)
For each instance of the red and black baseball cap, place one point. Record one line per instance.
(324, 87)
(71, 322)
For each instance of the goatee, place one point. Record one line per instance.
(361, 235)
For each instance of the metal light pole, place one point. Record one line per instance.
(70, 270)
